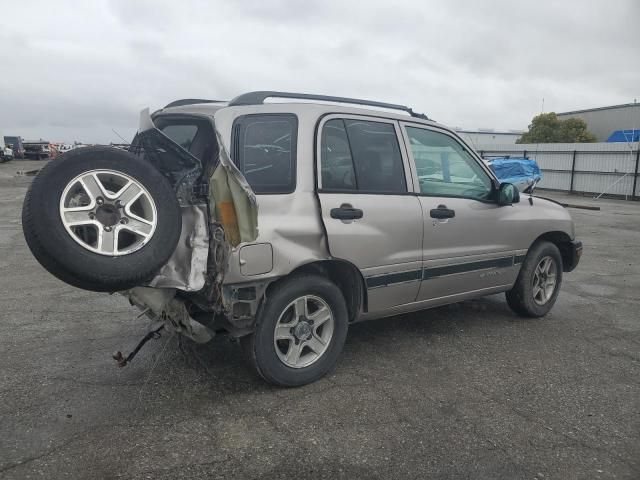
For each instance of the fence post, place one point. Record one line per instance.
(635, 174)
(573, 171)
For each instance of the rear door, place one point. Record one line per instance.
(468, 242)
(372, 217)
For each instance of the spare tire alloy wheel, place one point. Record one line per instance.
(108, 212)
(101, 219)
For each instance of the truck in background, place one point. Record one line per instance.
(37, 150)
(6, 153)
(15, 142)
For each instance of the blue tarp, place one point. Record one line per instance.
(518, 171)
(624, 136)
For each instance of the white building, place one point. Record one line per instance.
(488, 137)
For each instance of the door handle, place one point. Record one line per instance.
(346, 212)
(442, 212)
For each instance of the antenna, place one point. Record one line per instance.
(121, 137)
(542, 106)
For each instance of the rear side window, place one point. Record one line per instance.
(182, 134)
(264, 149)
(362, 156)
(336, 161)
(195, 135)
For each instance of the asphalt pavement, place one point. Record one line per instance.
(464, 391)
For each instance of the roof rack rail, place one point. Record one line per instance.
(257, 98)
(191, 101)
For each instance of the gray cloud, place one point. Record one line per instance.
(78, 70)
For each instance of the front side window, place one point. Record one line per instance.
(445, 168)
(265, 151)
(360, 155)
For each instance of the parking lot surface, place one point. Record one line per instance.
(464, 391)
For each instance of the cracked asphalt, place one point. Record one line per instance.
(464, 391)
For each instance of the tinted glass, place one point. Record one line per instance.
(376, 156)
(182, 134)
(336, 162)
(445, 168)
(265, 151)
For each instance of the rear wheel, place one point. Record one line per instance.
(538, 284)
(300, 331)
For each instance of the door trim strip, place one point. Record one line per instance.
(391, 278)
(434, 272)
(427, 273)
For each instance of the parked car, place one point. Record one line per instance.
(283, 223)
(64, 147)
(16, 143)
(37, 150)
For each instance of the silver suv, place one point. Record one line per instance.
(280, 223)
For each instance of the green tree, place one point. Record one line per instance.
(547, 128)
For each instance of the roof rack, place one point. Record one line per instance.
(191, 101)
(257, 98)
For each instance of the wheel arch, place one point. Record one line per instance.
(560, 239)
(344, 274)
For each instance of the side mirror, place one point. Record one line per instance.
(508, 194)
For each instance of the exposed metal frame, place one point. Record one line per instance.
(258, 98)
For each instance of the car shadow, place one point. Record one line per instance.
(222, 358)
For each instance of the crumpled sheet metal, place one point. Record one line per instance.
(162, 305)
(232, 200)
(232, 203)
(186, 269)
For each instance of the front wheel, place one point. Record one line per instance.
(538, 283)
(300, 331)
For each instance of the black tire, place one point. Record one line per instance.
(259, 348)
(66, 259)
(521, 297)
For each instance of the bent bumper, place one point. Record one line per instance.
(572, 257)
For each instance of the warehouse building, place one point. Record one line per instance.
(614, 123)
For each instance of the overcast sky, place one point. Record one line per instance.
(75, 70)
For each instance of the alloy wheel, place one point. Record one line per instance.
(108, 212)
(544, 280)
(303, 331)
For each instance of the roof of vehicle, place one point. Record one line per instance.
(321, 103)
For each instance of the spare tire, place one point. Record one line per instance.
(101, 219)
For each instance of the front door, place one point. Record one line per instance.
(467, 246)
(371, 217)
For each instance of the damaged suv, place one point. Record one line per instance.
(281, 223)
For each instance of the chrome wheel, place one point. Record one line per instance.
(544, 280)
(303, 331)
(108, 212)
